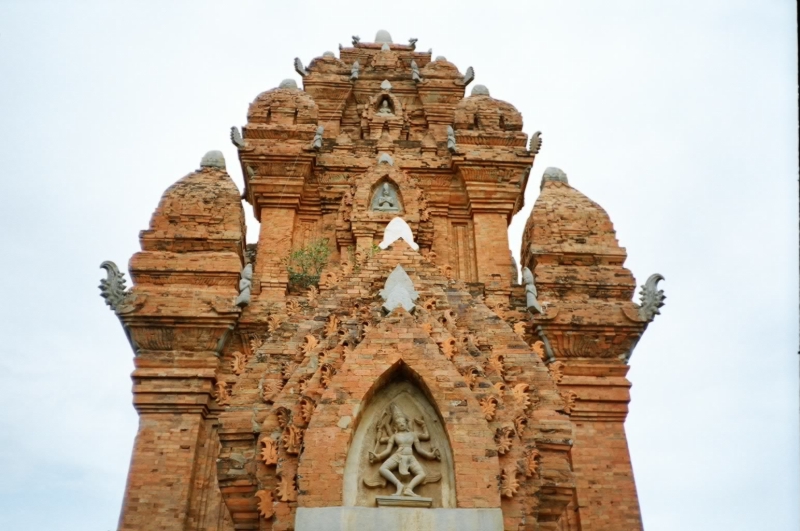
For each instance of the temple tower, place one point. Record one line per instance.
(372, 363)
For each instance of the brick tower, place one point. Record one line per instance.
(372, 362)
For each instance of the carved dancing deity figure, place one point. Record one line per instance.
(403, 460)
(385, 109)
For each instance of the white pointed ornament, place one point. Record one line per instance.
(399, 291)
(395, 230)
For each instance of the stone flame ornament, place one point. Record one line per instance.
(395, 230)
(651, 298)
(399, 291)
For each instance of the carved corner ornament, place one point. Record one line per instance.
(651, 298)
(265, 503)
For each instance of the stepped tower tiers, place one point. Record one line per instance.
(372, 363)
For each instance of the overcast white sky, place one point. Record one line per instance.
(678, 117)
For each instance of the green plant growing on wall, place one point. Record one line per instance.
(305, 264)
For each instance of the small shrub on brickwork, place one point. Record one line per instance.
(305, 264)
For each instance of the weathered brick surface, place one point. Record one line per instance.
(248, 413)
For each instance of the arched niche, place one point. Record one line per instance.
(402, 391)
(386, 197)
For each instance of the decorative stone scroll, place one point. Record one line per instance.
(400, 455)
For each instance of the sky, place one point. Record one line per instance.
(680, 118)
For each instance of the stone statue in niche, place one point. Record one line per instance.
(393, 429)
(392, 413)
(385, 199)
(385, 109)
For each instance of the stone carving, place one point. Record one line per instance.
(548, 350)
(651, 298)
(236, 138)
(538, 347)
(269, 452)
(415, 71)
(399, 291)
(397, 228)
(530, 291)
(385, 109)
(536, 143)
(265, 503)
(287, 490)
(273, 323)
(213, 159)
(504, 438)
(385, 198)
(292, 306)
(292, 439)
(306, 409)
(383, 37)
(413, 43)
(479, 90)
(313, 293)
(520, 423)
(329, 280)
(386, 85)
(448, 347)
(356, 40)
(522, 395)
(497, 363)
(112, 288)
(468, 77)
(332, 326)
(519, 328)
(299, 68)
(326, 373)
(393, 430)
(489, 408)
(508, 481)
(354, 71)
(220, 393)
(238, 363)
(556, 371)
(569, 398)
(310, 344)
(451, 140)
(317, 142)
(288, 84)
(531, 462)
(268, 389)
(385, 158)
(427, 327)
(245, 284)
(386, 48)
(287, 369)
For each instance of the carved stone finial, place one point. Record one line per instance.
(383, 37)
(385, 48)
(651, 298)
(415, 71)
(396, 229)
(288, 84)
(112, 288)
(236, 137)
(329, 54)
(440, 58)
(354, 71)
(299, 68)
(536, 142)
(317, 142)
(399, 291)
(479, 90)
(451, 139)
(530, 291)
(554, 174)
(468, 77)
(385, 158)
(385, 85)
(413, 43)
(213, 159)
(356, 39)
(245, 283)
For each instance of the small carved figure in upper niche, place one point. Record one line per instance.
(403, 460)
(385, 199)
(385, 109)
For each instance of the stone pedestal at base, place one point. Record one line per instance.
(403, 501)
(397, 519)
